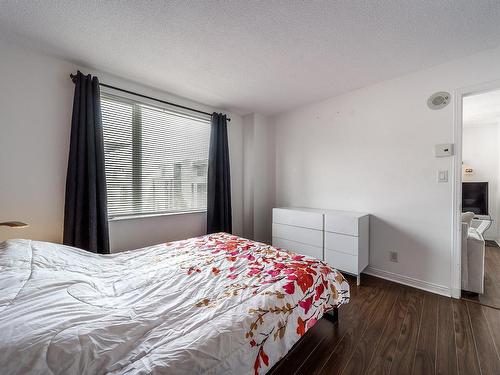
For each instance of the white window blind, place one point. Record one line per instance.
(156, 158)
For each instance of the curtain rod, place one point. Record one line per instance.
(73, 78)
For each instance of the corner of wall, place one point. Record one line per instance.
(259, 176)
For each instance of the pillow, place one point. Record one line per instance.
(467, 217)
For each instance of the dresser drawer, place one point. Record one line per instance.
(342, 261)
(343, 224)
(304, 219)
(299, 248)
(341, 242)
(303, 235)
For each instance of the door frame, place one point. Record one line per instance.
(458, 95)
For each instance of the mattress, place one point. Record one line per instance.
(217, 304)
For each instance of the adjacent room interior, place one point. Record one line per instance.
(249, 187)
(480, 198)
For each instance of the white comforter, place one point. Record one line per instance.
(213, 304)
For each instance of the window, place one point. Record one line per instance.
(156, 158)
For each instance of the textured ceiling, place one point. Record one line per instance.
(482, 109)
(256, 56)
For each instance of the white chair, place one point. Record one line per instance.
(473, 250)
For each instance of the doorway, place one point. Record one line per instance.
(477, 195)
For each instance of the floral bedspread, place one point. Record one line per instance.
(217, 304)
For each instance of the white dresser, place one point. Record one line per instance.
(341, 238)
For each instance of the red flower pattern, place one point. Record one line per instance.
(308, 281)
(306, 304)
(319, 291)
(289, 288)
(301, 327)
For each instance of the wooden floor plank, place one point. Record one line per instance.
(414, 331)
(384, 353)
(362, 354)
(489, 361)
(446, 352)
(323, 329)
(493, 320)
(425, 354)
(464, 340)
(307, 344)
(352, 329)
(407, 342)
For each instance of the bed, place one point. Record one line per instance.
(217, 304)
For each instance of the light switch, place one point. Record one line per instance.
(443, 150)
(443, 176)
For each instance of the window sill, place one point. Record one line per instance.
(145, 216)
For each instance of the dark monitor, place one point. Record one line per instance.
(475, 197)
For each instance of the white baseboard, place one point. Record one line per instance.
(409, 281)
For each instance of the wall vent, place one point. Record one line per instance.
(438, 100)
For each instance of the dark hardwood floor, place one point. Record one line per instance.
(389, 328)
(491, 295)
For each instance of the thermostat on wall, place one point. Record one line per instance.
(443, 150)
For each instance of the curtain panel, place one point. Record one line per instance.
(219, 216)
(85, 210)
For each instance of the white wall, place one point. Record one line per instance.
(248, 175)
(372, 150)
(259, 176)
(264, 178)
(35, 112)
(480, 151)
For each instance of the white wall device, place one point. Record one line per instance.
(443, 150)
(438, 100)
(442, 176)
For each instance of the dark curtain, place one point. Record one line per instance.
(85, 210)
(219, 218)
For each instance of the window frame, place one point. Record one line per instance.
(137, 152)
